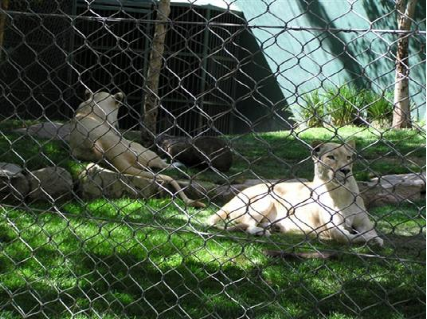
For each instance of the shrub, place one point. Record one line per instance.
(312, 113)
(380, 108)
(345, 105)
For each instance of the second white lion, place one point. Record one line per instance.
(94, 137)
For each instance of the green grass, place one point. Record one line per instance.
(276, 155)
(156, 259)
(286, 154)
(32, 154)
(137, 259)
(35, 153)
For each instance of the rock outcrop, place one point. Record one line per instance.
(14, 184)
(50, 184)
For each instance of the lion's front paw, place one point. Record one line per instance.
(258, 231)
(377, 241)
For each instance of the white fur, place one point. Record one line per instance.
(94, 137)
(329, 206)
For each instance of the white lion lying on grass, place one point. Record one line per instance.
(94, 137)
(330, 206)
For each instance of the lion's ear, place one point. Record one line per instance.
(88, 94)
(352, 144)
(119, 96)
(316, 147)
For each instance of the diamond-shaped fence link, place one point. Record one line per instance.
(285, 177)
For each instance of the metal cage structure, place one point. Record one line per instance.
(278, 184)
(197, 61)
(35, 74)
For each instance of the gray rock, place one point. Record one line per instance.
(199, 152)
(14, 185)
(9, 170)
(416, 180)
(392, 189)
(98, 182)
(50, 184)
(48, 130)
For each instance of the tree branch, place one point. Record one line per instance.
(152, 100)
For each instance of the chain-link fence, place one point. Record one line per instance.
(285, 175)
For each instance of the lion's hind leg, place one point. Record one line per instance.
(244, 213)
(127, 164)
(293, 223)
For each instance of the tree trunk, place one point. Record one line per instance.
(402, 108)
(4, 5)
(152, 100)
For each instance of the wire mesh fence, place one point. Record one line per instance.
(278, 182)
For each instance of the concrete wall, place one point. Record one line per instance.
(303, 60)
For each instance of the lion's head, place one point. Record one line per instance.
(334, 162)
(104, 106)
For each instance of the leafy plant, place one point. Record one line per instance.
(379, 108)
(312, 113)
(340, 106)
(343, 104)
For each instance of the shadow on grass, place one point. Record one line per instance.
(79, 263)
(143, 259)
(121, 285)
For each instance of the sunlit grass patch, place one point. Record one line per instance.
(271, 155)
(125, 249)
(157, 258)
